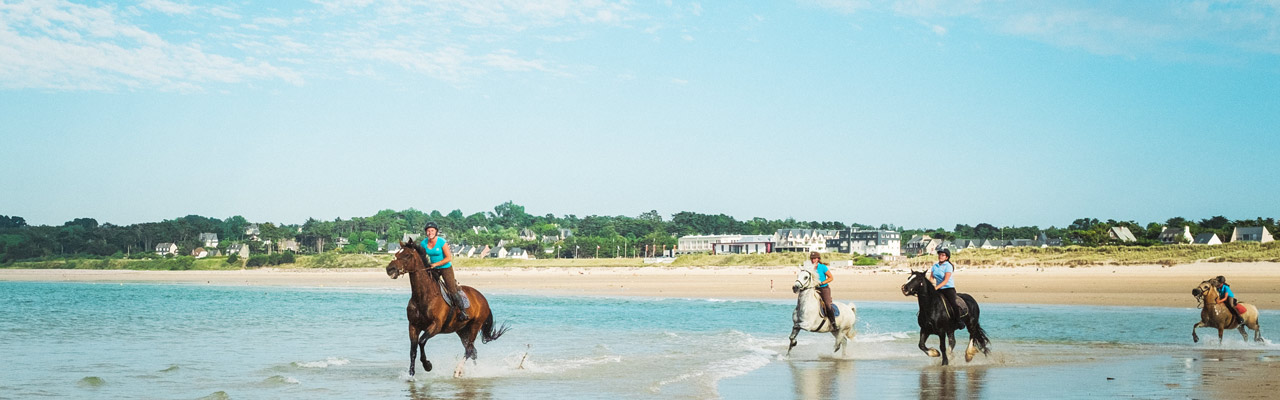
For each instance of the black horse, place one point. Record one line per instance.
(934, 319)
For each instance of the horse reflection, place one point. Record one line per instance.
(949, 383)
(821, 379)
(462, 389)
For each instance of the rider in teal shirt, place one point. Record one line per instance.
(440, 258)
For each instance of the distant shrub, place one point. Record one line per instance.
(233, 258)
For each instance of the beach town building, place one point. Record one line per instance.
(1043, 240)
(528, 235)
(866, 242)
(410, 237)
(803, 240)
(252, 232)
(479, 229)
(1207, 239)
(518, 253)
(702, 243)
(342, 242)
(548, 239)
(1121, 233)
(565, 233)
(748, 244)
(499, 252)
(393, 248)
(199, 252)
(382, 244)
(292, 245)
(916, 245)
(241, 250)
(209, 239)
(986, 244)
(1176, 235)
(1251, 234)
(165, 249)
(1021, 243)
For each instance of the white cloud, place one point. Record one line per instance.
(167, 7)
(67, 46)
(679, 81)
(687, 37)
(939, 30)
(697, 9)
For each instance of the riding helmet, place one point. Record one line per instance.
(946, 251)
(431, 225)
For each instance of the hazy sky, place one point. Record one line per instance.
(917, 113)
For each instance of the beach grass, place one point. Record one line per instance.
(1071, 256)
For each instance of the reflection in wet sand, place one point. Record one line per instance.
(822, 379)
(1237, 374)
(952, 383)
(456, 389)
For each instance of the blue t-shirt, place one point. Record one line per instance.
(940, 270)
(822, 273)
(1226, 291)
(435, 254)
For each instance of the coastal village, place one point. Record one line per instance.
(882, 244)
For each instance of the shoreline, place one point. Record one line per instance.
(1257, 283)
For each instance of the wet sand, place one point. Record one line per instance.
(1257, 283)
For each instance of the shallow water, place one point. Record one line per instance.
(188, 341)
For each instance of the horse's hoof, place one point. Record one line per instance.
(934, 353)
(426, 366)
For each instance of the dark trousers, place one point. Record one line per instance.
(450, 282)
(825, 294)
(1231, 306)
(949, 294)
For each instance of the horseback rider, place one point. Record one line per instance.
(1226, 296)
(945, 283)
(440, 258)
(824, 278)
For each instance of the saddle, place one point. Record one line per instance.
(444, 291)
(834, 311)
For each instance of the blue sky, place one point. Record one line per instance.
(916, 113)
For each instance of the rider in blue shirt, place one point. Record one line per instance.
(439, 258)
(824, 279)
(945, 283)
(1226, 296)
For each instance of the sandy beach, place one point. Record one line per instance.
(1257, 283)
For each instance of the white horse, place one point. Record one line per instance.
(807, 315)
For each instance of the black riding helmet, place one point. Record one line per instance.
(431, 225)
(946, 251)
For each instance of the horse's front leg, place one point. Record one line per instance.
(413, 348)
(1194, 337)
(795, 330)
(942, 342)
(951, 342)
(1219, 336)
(422, 348)
(923, 337)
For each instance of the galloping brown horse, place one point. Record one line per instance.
(1215, 315)
(429, 315)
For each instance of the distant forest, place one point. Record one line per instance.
(593, 235)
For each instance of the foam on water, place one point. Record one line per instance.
(326, 363)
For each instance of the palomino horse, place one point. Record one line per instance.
(1214, 315)
(429, 315)
(935, 320)
(808, 313)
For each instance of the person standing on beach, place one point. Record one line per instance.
(440, 258)
(945, 283)
(824, 279)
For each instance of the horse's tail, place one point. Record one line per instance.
(488, 334)
(976, 332)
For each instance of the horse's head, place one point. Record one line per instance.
(916, 283)
(804, 280)
(1206, 288)
(408, 259)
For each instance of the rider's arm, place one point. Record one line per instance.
(448, 256)
(945, 278)
(829, 278)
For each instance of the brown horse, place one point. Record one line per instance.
(1214, 315)
(429, 315)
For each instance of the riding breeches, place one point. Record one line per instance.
(949, 294)
(825, 294)
(450, 283)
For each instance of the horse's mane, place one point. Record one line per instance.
(422, 253)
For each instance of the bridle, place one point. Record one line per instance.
(414, 267)
(915, 290)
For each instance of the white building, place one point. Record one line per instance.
(702, 243)
(1207, 239)
(165, 249)
(804, 240)
(1251, 234)
(868, 242)
(750, 244)
(210, 239)
(1176, 236)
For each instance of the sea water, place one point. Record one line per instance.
(114, 340)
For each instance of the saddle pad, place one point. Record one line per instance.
(1240, 308)
(835, 311)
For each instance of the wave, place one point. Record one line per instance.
(880, 337)
(326, 363)
(281, 380)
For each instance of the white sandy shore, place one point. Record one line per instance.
(1258, 283)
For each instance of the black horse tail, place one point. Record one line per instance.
(979, 337)
(488, 334)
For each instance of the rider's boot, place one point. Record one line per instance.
(1235, 314)
(460, 305)
(831, 316)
